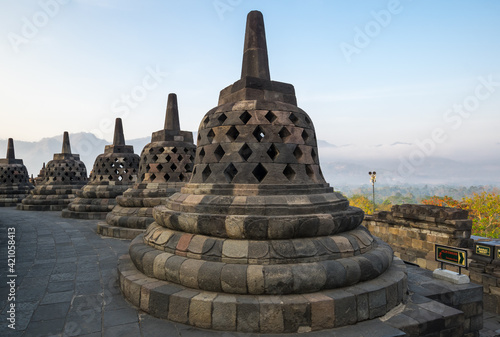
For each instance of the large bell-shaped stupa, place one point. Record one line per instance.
(64, 176)
(257, 241)
(165, 166)
(113, 173)
(14, 178)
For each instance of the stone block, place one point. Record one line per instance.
(248, 314)
(200, 310)
(224, 312)
(271, 315)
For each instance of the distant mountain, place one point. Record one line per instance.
(87, 145)
(340, 165)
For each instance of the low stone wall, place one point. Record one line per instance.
(413, 230)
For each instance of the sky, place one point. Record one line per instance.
(380, 79)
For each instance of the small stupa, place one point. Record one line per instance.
(257, 241)
(65, 174)
(165, 166)
(41, 176)
(14, 178)
(113, 173)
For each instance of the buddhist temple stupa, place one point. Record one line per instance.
(14, 178)
(65, 174)
(165, 166)
(114, 172)
(257, 241)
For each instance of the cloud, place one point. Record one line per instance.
(401, 143)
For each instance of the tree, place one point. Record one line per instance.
(484, 211)
(358, 200)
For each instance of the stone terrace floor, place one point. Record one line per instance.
(66, 284)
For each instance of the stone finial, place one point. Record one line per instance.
(10, 149)
(43, 166)
(255, 60)
(66, 147)
(119, 138)
(172, 115)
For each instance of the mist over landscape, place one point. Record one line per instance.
(344, 167)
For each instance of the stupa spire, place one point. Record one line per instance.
(255, 60)
(66, 147)
(10, 149)
(172, 115)
(119, 138)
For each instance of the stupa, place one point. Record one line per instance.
(65, 174)
(257, 241)
(41, 175)
(165, 166)
(14, 178)
(114, 172)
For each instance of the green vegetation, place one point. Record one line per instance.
(482, 202)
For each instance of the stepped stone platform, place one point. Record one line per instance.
(64, 176)
(67, 285)
(14, 178)
(257, 241)
(165, 166)
(113, 173)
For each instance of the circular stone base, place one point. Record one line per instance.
(84, 215)
(118, 232)
(264, 313)
(24, 207)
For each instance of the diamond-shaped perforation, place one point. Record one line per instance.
(166, 176)
(222, 118)
(289, 172)
(310, 171)
(305, 135)
(151, 150)
(152, 176)
(272, 152)
(219, 153)
(206, 173)
(182, 177)
(155, 158)
(258, 133)
(313, 154)
(297, 152)
(270, 116)
(201, 154)
(159, 167)
(284, 134)
(308, 121)
(259, 172)
(174, 150)
(168, 158)
(232, 133)
(210, 136)
(245, 117)
(293, 118)
(173, 167)
(230, 172)
(205, 121)
(179, 157)
(245, 152)
(161, 150)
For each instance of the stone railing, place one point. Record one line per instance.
(413, 230)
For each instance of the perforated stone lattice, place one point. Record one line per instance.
(257, 146)
(13, 174)
(166, 163)
(65, 172)
(115, 169)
